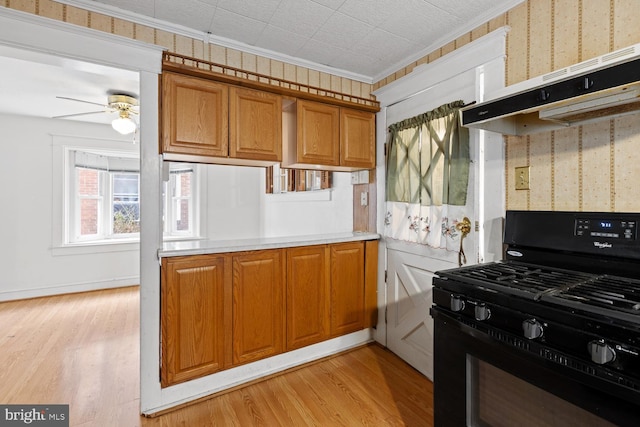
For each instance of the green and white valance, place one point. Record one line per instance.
(427, 177)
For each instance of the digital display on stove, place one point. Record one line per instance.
(606, 229)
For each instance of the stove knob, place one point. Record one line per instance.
(482, 312)
(601, 353)
(532, 329)
(457, 303)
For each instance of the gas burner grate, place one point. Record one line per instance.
(611, 295)
(525, 280)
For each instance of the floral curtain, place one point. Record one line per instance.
(427, 178)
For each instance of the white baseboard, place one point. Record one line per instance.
(69, 288)
(195, 389)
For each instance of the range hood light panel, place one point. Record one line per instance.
(607, 103)
(603, 87)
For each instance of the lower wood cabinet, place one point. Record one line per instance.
(223, 310)
(258, 305)
(347, 288)
(195, 311)
(308, 290)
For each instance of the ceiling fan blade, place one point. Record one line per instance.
(78, 114)
(80, 100)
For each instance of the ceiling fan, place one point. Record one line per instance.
(124, 105)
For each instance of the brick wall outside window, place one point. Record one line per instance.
(88, 185)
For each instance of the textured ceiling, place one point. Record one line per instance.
(362, 39)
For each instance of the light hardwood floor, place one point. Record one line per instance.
(83, 350)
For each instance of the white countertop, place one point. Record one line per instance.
(201, 247)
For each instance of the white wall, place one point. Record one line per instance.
(307, 213)
(237, 206)
(32, 264)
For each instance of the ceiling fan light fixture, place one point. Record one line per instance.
(124, 124)
(124, 104)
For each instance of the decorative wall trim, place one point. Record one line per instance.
(580, 170)
(580, 35)
(552, 178)
(612, 164)
(212, 39)
(528, 60)
(228, 74)
(528, 150)
(483, 50)
(438, 44)
(507, 168)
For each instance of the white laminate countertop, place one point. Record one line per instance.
(201, 247)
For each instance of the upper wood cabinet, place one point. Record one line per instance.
(327, 137)
(195, 116)
(196, 320)
(210, 122)
(318, 133)
(255, 124)
(357, 139)
(258, 305)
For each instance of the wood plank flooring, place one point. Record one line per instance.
(83, 350)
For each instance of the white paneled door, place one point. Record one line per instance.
(410, 267)
(409, 297)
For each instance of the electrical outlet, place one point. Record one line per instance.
(364, 198)
(522, 178)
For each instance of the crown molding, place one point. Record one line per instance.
(137, 18)
(233, 44)
(158, 24)
(480, 51)
(447, 38)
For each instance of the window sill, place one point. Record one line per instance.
(95, 247)
(106, 246)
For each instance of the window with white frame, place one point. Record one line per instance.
(179, 202)
(103, 194)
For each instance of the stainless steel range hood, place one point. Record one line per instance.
(604, 87)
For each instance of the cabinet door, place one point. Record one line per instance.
(258, 305)
(194, 116)
(308, 288)
(194, 319)
(347, 288)
(255, 122)
(357, 139)
(318, 133)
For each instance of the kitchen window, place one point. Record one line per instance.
(103, 194)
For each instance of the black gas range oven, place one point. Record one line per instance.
(548, 336)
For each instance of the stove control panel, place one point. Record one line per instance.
(606, 228)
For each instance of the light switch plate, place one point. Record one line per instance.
(522, 178)
(355, 178)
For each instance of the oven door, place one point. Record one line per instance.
(480, 381)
